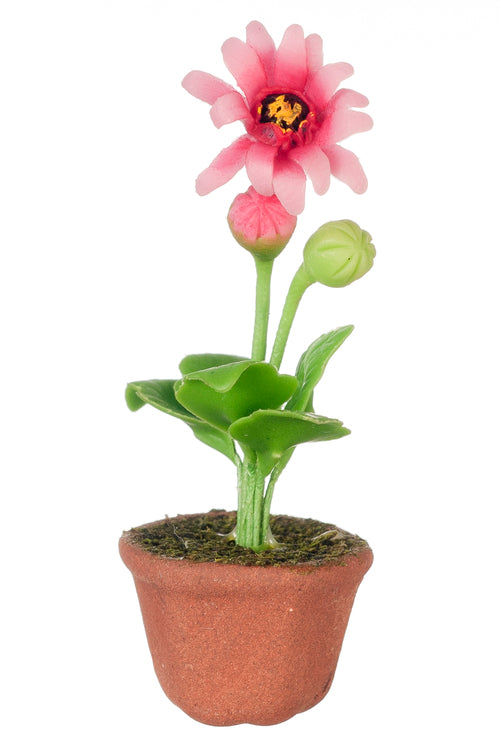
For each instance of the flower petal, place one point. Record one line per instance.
(290, 185)
(290, 70)
(260, 167)
(206, 87)
(344, 99)
(224, 166)
(259, 39)
(229, 108)
(314, 52)
(341, 124)
(345, 166)
(245, 65)
(324, 83)
(315, 164)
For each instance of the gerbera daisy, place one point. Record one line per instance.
(293, 114)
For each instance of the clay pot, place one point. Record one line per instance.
(236, 644)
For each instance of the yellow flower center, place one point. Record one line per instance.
(287, 111)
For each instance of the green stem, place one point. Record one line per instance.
(275, 474)
(250, 524)
(300, 282)
(262, 301)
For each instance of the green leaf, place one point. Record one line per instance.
(312, 366)
(222, 378)
(221, 395)
(134, 402)
(215, 438)
(195, 362)
(271, 433)
(161, 395)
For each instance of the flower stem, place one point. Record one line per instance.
(300, 282)
(270, 487)
(262, 301)
(250, 531)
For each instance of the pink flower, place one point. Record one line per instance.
(293, 112)
(260, 223)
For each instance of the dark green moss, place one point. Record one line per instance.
(201, 538)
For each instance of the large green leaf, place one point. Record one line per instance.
(221, 395)
(160, 394)
(312, 366)
(270, 433)
(195, 362)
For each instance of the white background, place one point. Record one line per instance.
(113, 269)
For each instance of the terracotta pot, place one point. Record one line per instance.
(234, 644)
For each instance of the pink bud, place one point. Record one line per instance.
(260, 224)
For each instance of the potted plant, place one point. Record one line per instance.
(245, 612)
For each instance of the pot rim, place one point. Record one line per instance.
(149, 566)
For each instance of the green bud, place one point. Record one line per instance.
(338, 253)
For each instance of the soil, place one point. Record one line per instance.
(201, 538)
